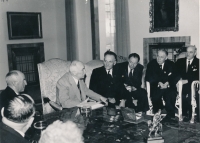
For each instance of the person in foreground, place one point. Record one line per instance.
(60, 132)
(188, 69)
(17, 118)
(71, 89)
(106, 80)
(162, 76)
(132, 78)
(16, 83)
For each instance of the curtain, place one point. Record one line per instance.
(70, 30)
(122, 46)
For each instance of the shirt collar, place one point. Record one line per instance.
(162, 65)
(190, 60)
(129, 69)
(110, 71)
(76, 80)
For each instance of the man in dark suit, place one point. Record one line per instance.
(161, 75)
(18, 115)
(106, 80)
(188, 70)
(16, 83)
(131, 73)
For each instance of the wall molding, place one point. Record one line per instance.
(156, 40)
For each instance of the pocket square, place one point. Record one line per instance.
(169, 74)
(194, 69)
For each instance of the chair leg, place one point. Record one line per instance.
(193, 102)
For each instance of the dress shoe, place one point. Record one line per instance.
(186, 119)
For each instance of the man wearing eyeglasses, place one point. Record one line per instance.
(106, 80)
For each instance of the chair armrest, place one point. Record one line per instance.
(55, 106)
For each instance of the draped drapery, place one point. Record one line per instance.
(122, 46)
(70, 30)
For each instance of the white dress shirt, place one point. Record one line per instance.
(110, 71)
(163, 65)
(129, 69)
(187, 63)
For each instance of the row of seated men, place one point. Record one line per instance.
(120, 83)
(117, 84)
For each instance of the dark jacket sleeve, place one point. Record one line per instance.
(93, 80)
(151, 75)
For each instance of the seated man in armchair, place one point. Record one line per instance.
(106, 80)
(71, 89)
(188, 70)
(131, 73)
(162, 76)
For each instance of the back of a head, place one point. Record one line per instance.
(19, 109)
(60, 132)
(12, 76)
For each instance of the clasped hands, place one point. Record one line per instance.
(130, 88)
(163, 85)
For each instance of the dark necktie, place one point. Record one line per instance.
(109, 75)
(188, 66)
(78, 85)
(160, 67)
(131, 73)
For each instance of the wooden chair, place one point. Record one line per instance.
(194, 88)
(178, 104)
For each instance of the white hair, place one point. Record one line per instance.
(60, 132)
(73, 67)
(193, 46)
(12, 76)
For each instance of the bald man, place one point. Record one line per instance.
(188, 69)
(16, 83)
(71, 89)
(161, 75)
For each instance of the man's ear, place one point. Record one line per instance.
(14, 83)
(2, 112)
(115, 62)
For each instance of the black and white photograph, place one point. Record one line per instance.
(99, 71)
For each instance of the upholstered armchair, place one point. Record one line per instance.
(49, 73)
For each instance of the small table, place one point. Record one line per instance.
(98, 130)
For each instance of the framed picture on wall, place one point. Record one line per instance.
(24, 25)
(163, 15)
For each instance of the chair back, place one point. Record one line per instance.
(49, 73)
(89, 66)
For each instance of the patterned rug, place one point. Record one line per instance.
(184, 132)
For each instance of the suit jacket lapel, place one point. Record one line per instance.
(193, 62)
(75, 88)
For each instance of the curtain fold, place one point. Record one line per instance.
(70, 30)
(122, 38)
